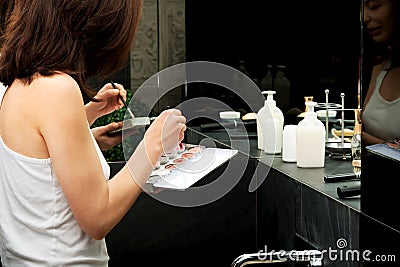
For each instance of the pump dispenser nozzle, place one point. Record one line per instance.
(270, 96)
(310, 106)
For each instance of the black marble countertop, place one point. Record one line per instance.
(312, 177)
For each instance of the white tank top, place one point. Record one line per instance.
(379, 117)
(37, 227)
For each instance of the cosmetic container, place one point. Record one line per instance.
(356, 142)
(310, 140)
(289, 143)
(270, 122)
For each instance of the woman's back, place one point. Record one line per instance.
(36, 222)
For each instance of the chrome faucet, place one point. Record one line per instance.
(314, 257)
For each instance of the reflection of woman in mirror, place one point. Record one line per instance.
(381, 107)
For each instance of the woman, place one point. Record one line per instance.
(382, 101)
(56, 201)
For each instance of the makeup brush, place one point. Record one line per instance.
(123, 101)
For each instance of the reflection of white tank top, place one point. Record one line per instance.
(380, 118)
(37, 227)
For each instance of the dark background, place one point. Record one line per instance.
(318, 41)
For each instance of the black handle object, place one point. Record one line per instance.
(115, 133)
(340, 177)
(346, 191)
(249, 125)
(216, 126)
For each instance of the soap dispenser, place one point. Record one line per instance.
(270, 125)
(310, 140)
(260, 116)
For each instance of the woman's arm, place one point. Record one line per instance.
(368, 139)
(109, 101)
(98, 204)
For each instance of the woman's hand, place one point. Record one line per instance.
(109, 101)
(105, 141)
(165, 133)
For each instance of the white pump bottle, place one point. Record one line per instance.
(270, 125)
(310, 140)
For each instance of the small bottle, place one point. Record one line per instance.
(242, 67)
(310, 140)
(289, 143)
(271, 121)
(282, 88)
(356, 143)
(267, 82)
(238, 78)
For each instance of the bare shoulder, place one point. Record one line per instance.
(59, 85)
(56, 97)
(376, 70)
(60, 89)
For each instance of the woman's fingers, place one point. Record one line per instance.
(170, 125)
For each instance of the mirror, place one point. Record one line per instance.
(381, 69)
(381, 77)
(318, 50)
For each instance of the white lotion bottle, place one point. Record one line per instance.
(310, 140)
(271, 125)
(261, 116)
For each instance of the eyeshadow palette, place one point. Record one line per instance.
(186, 165)
(389, 149)
(172, 161)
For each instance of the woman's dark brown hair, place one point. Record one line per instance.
(5, 9)
(82, 38)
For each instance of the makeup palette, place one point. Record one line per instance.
(186, 165)
(171, 161)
